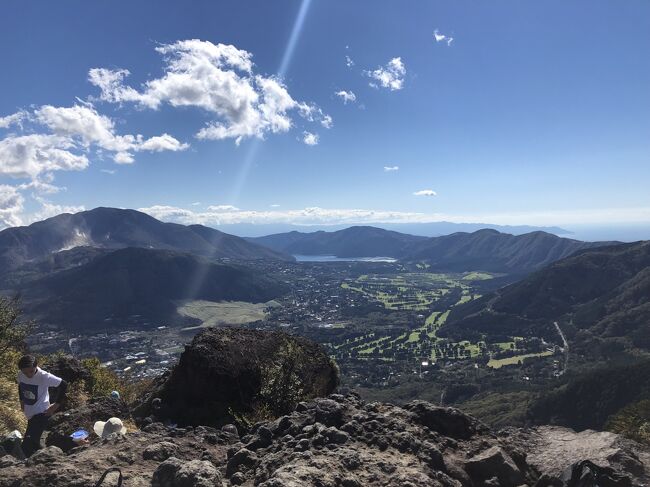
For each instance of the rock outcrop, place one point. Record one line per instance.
(68, 368)
(229, 374)
(330, 442)
(553, 449)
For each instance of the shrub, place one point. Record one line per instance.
(282, 388)
(632, 421)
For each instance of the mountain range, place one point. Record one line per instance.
(427, 229)
(358, 241)
(602, 292)
(486, 250)
(82, 268)
(112, 228)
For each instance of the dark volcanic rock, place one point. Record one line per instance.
(376, 445)
(494, 462)
(222, 372)
(159, 451)
(49, 456)
(62, 424)
(68, 368)
(447, 421)
(177, 473)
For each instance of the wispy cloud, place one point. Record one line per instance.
(390, 76)
(442, 37)
(13, 119)
(391, 168)
(426, 192)
(108, 171)
(222, 208)
(346, 96)
(348, 61)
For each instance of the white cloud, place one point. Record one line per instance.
(306, 216)
(425, 192)
(85, 123)
(14, 119)
(49, 209)
(391, 168)
(108, 171)
(28, 156)
(11, 206)
(42, 185)
(123, 158)
(348, 61)
(309, 138)
(196, 203)
(346, 96)
(334, 216)
(12, 211)
(390, 76)
(223, 208)
(72, 132)
(275, 206)
(327, 122)
(314, 114)
(219, 79)
(162, 143)
(442, 37)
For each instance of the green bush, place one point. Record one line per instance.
(632, 421)
(282, 388)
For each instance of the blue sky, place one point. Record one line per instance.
(535, 113)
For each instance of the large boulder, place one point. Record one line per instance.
(178, 473)
(62, 424)
(228, 373)
(445, 420)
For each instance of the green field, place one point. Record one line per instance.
(498, 363)
(223, 313)
(419, 292)
(412, 291)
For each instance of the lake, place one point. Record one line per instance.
(333, 258)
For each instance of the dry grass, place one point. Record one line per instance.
(11, 417)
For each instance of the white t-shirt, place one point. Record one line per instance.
(33, 391)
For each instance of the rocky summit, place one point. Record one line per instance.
(199, 427)
(338, 441)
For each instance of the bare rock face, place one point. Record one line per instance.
(553, 449)
(228, 372)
